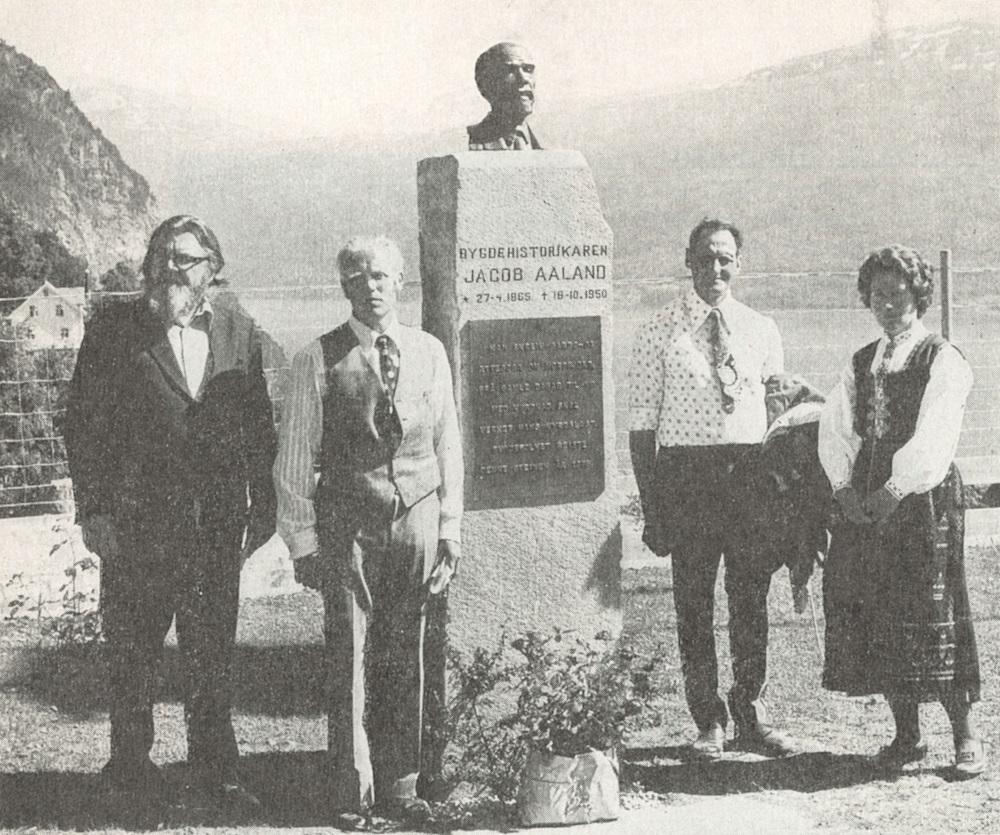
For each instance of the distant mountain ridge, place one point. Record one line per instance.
(59, 173)
(819, 159)
(958, 47)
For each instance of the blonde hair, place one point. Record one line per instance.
(366, 248)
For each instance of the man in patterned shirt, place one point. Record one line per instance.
(696, 408)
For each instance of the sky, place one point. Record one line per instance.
(329, 68)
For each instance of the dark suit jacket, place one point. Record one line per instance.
(160, 461)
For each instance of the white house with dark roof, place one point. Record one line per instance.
(51, 317)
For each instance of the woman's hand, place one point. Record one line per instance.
(880, 505)
(850, 502)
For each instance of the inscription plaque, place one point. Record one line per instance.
(537, 417)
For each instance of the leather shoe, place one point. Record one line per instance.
(227, 799)
(144, 776)
(765, 740)
(408, 809)
(352, 821)
(710, 743)
(897, 754)
(136, 795)
(970, 759)
(234, 798)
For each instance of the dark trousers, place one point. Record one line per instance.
(699, 502)
(141, 594)
(375, 678)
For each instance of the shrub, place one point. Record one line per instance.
(555, 693)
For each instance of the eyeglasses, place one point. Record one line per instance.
(187, 262)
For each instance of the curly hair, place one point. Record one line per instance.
(907, 264)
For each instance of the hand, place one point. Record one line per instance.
(445, 567)
(654, 537)
(311, 572)
(99, 536)
(850, 503)
(259, 531)
(880, 505)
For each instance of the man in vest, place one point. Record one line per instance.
(372, 408)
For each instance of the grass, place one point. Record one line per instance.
(53, 725)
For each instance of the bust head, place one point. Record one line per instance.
(505, 76)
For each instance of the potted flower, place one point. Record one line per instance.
(547, 715)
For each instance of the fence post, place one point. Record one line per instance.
(946, 318)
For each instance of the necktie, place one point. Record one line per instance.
(386, 419)
(723, 362)
(518, 141)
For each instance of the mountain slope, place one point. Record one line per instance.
(820, 159)
(59, 173)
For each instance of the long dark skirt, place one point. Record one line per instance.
(897, 606)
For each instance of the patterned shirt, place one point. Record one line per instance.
(673, 388)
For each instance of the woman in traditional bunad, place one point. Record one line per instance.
(894, 590)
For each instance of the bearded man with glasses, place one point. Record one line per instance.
(170, 440)
(696, 411)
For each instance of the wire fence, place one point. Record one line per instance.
(819, 315)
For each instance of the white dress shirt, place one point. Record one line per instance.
(922, 462)
(301, 432)
(190, 346)
(673, 388)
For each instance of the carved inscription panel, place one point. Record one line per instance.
(535, 413)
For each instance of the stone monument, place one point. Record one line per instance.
(516, 265)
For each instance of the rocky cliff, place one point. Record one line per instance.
(59, 173)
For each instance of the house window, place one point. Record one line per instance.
(32, 310)
(59, 310)
(64, 333)
(29, 333)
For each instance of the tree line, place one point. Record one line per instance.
(33, 382)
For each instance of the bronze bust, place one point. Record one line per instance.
(505, 75)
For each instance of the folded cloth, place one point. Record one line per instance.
(783, 392)
(789, 494)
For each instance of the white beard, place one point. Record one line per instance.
(176, 302)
